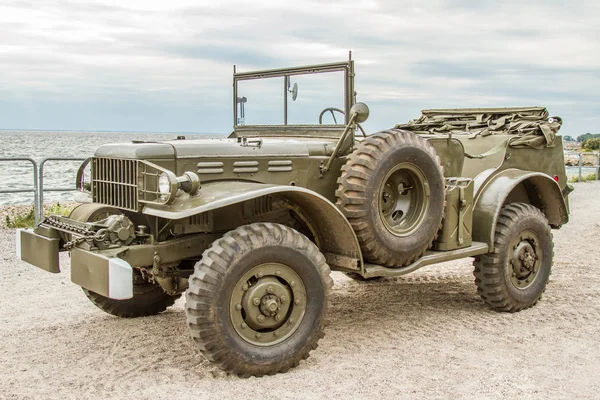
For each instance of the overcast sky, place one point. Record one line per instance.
(144, 65)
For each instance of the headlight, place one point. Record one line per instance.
(169, 185)
(189, 182)
(164, 184)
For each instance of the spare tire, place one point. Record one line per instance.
(392, 192)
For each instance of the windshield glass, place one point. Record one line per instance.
(262, 101)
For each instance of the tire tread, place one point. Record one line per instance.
(200, 304)
(353, 200)
(489, 269)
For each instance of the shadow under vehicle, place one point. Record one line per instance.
(250, 226)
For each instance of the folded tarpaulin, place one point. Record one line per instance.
(532, 124)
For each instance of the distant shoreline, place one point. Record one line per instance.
(105, 131)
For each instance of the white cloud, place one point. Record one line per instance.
(408, 52)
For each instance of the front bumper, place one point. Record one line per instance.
(111, 277)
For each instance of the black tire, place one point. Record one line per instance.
(148, 298)
(377, 164)
(231, 269)
(514, 276)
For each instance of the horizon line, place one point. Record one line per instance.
(108, 131)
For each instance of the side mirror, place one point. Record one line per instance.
(362, 112)
(294, 91)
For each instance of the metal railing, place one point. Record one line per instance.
(38, 188)
(33, 190)
(580, 165)
(41, 189)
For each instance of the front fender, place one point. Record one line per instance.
(542, 191)
(333, 233)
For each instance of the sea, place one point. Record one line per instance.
(38, 145)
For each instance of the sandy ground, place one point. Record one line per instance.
(426, 335)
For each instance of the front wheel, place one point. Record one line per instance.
(148, 299)
(258, 300)
(514, 275)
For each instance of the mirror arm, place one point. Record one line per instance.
(349, 128)
(286, 85)
(361, 129)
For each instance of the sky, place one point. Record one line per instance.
(166, 66)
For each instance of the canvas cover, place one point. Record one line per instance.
(532, 125)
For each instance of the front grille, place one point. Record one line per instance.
(115, 182)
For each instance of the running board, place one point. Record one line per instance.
(430, 257)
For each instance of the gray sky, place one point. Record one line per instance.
(145, 65)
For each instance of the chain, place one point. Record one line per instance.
(69, 245)
(67, 227)
(86, 233)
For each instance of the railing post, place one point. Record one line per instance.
(41, 186)
(580, 165)
(597, 164)
(36, 194)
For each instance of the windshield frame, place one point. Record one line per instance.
(349, 95)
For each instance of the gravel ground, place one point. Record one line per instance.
(426, 335)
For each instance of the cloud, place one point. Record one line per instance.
(140, 56)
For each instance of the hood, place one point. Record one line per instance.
(276, 147)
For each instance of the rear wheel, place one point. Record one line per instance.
(514, 275)
(258, 300)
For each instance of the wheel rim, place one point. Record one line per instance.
(525, 259)
(268, 304)
(403, 199)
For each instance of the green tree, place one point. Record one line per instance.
(586, 136)
(592, 144)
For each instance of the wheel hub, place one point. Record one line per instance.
(403, 199)
(525, 260)
(268, 304)
(262, 303)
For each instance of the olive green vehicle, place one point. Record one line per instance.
(249, 227)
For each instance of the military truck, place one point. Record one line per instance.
(249, 227)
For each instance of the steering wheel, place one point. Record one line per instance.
(331, 110)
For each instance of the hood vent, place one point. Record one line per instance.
(240, 167)
(280, 166)
(213, 167)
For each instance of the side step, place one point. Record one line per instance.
(430, 257)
